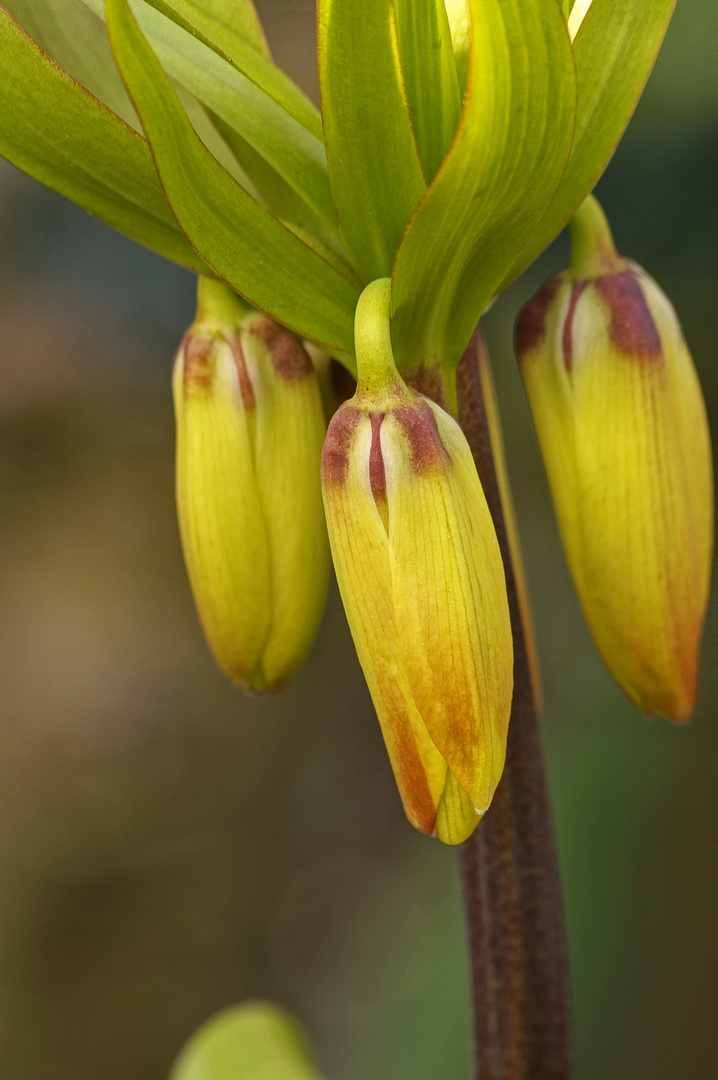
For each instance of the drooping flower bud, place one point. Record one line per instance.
(625, 443)
(250, 427)
(423, 585)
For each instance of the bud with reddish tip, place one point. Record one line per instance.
(250, 427)
(423, 585)
(624, 437)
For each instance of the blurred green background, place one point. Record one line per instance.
(168, 846)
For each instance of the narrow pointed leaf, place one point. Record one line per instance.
(282, 200)
(615, 48)
(374, 167)
(247, 247)
(432, 88)
(496, 182)
(247, 166)
(296, 154)
(75, 37)
(80, 149)
(213, 139)
(242, 54)
(267, 127)
(236, 50)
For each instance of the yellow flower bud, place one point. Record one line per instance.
(250, 427)
(625, 443)
(421, 577)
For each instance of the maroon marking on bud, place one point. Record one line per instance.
(245, 383)
(632, 329)
(377, 476)
(576, 291)
(531, 323)
(419, 425)
(335, 452)
(289, 357)
(198, 369)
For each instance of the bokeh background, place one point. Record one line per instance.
(168, 846)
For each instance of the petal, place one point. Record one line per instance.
(221, 523)
(643, 461)
(449, 595)
(360, 548)
(289, 433)
(456, 817)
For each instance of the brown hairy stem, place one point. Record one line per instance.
(511, 888)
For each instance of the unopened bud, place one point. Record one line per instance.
(423, 585)
(624, 437)
(250, 427)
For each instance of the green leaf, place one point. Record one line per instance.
(255, 172)
(212, 138)
(432, 88)
(238, 52)
(374, 167)
(283, 201)
(247, 247)
(256, 1041)
(58, 133)
(296, 154)
(615, 49)
(225, 22)
(76, 39)
(496, 183)
(258, 68)
(269, 129)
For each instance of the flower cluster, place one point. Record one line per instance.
(623, 433)
(455, 141)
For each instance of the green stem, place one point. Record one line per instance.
(217, 305)
(376, 370)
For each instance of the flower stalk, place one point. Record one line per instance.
(510, 878)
